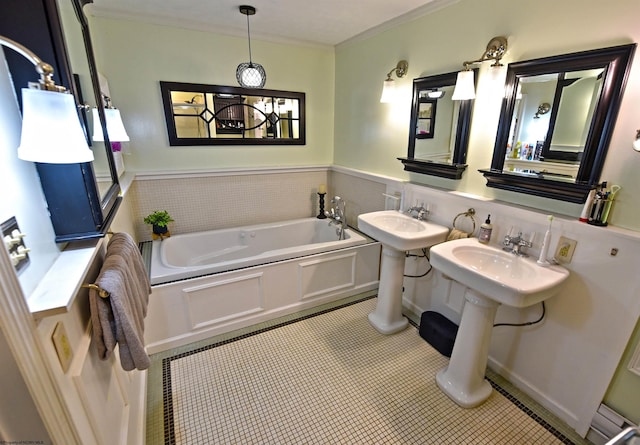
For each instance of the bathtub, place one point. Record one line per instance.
(208, 283)
(196, 254)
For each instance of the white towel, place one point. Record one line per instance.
(120, 317)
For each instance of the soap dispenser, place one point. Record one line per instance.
(485, 231)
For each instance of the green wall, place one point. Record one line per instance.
(135, 56)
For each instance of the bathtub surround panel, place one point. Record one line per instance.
(325, 275)
(215, 303)
(200, 201)
(285, 287)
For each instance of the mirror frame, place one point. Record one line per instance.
(167, 87)
(616, 62)
(458, 162)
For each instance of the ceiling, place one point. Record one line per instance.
(315, 22)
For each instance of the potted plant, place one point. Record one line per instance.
(160, 220)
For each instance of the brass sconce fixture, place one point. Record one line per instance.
(389, 87)
(115, 126)
(543, 108)
(51, 130)
(636, 142)
(465, 88)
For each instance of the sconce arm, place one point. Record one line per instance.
(496, 48)
(400, 69)
(44, 69)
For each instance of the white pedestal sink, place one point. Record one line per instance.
(493, 277)
(398, 233)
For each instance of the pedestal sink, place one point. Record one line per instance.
(493, 277)
(398, 233)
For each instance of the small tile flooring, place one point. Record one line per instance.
(326, 376)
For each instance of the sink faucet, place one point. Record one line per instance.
(514, 244)
(421, 212)
(337, 215)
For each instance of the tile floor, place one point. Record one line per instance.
(326, 376)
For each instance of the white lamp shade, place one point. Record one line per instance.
(465, 88)
(388, 91)
(115, 127)
(51, 131)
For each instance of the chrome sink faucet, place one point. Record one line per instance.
(514, 244)
(420, 211)
(338, 216)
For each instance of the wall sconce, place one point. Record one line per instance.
(636, 143)
(543, 108)
(389, 86)
(115, 127)
(465, 88)
(250, 75)
(51, 131)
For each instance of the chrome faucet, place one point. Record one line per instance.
(514, 244)
(420, 211)
(338, 216)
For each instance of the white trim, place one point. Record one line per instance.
(20, 331)
(429, 8)
(181, 174)
(634, 364)
(387, 180)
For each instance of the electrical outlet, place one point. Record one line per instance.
(565, 249)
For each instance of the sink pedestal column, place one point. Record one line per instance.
(463, 380)
(387, 317)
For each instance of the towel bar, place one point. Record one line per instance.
(103, 293)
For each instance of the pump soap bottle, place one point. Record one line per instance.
(485, 231)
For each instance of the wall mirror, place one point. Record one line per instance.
(556, 122)
(198, 114)
(81, 58)
(439, 128)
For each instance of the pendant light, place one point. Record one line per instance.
(250, 75)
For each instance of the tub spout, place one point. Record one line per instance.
(337, 216)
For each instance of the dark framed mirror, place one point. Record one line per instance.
(556, 122)
(199, 114)
(439, 128)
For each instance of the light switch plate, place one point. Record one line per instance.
(62, 346)
(565, 249)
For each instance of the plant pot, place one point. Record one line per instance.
(160, 230)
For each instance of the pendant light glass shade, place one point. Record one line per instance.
(465, 88)
(51, 131)
(251, 75)
(115, 127)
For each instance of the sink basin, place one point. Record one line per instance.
(400, 231)
(501, 276)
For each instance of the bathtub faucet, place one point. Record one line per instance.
(337, 215)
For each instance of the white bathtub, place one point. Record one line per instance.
(208, 283)
(203, 253)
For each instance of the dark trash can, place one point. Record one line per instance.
(438, 331)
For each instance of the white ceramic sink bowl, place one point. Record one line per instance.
(501, 276)
(400, 231)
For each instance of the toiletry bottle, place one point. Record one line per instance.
(485, 231)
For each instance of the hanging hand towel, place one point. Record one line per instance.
(120, 317)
